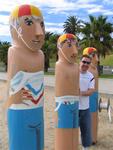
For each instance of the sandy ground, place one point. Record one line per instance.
(105, 129)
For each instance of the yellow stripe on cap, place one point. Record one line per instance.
(35, 11)
(89, 50)
(65, 37)
(62, 38)
(14, 13)
(24, 10)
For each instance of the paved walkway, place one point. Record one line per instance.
(105, 85)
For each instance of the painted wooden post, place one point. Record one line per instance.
(67, 94)
(26, 77)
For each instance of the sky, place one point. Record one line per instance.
(56, 12)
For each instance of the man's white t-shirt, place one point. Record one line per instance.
(86, 82)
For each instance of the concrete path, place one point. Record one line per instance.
(105, 85)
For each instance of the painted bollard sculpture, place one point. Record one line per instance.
(67, 94)
(92, 52)
(26, 77)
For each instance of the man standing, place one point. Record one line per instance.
(87, 83)
(92, 52)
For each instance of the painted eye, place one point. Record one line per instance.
(75, 42)
(69, 44)
(42, 24)
(28, 21)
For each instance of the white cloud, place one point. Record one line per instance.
(4, 19)
(108, 2)
(4, 30)
(107, 12)
(101, 10)
(53, 24)
(55, 7)
(95, 10)
(4, 27)
(55, 29)
(8, 5)
(86, 1)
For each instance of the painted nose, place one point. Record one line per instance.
(74, 54)
(39, 30)
(97, 59)
(75, 51)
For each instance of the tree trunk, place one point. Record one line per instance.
(46, 63)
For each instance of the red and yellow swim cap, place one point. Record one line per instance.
(25, 10)
(89, 50)
(64, 37)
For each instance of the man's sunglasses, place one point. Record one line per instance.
(86, 62)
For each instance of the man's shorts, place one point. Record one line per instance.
(67, 114)
(26, 129)
(94, 102)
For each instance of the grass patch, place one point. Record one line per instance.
(52, 62)
(49, 73)
(101, 76)
(107, 61)
(106, 76)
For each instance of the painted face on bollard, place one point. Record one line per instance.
(27, 21)
(32, 32)
(95, 59)
(92, 52)
(68, 48)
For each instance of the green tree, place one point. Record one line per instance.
(97, 33)
(72, 25)
(3, 52)
(49, 48)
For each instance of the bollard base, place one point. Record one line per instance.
(94, 143)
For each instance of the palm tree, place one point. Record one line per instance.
(97, 33)
(49, 48)
(72, 25)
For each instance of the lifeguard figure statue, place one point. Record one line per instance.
(67, 94)
(26, 77)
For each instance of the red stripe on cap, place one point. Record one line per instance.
(24, 10)
(69, 36)
(91, 49)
